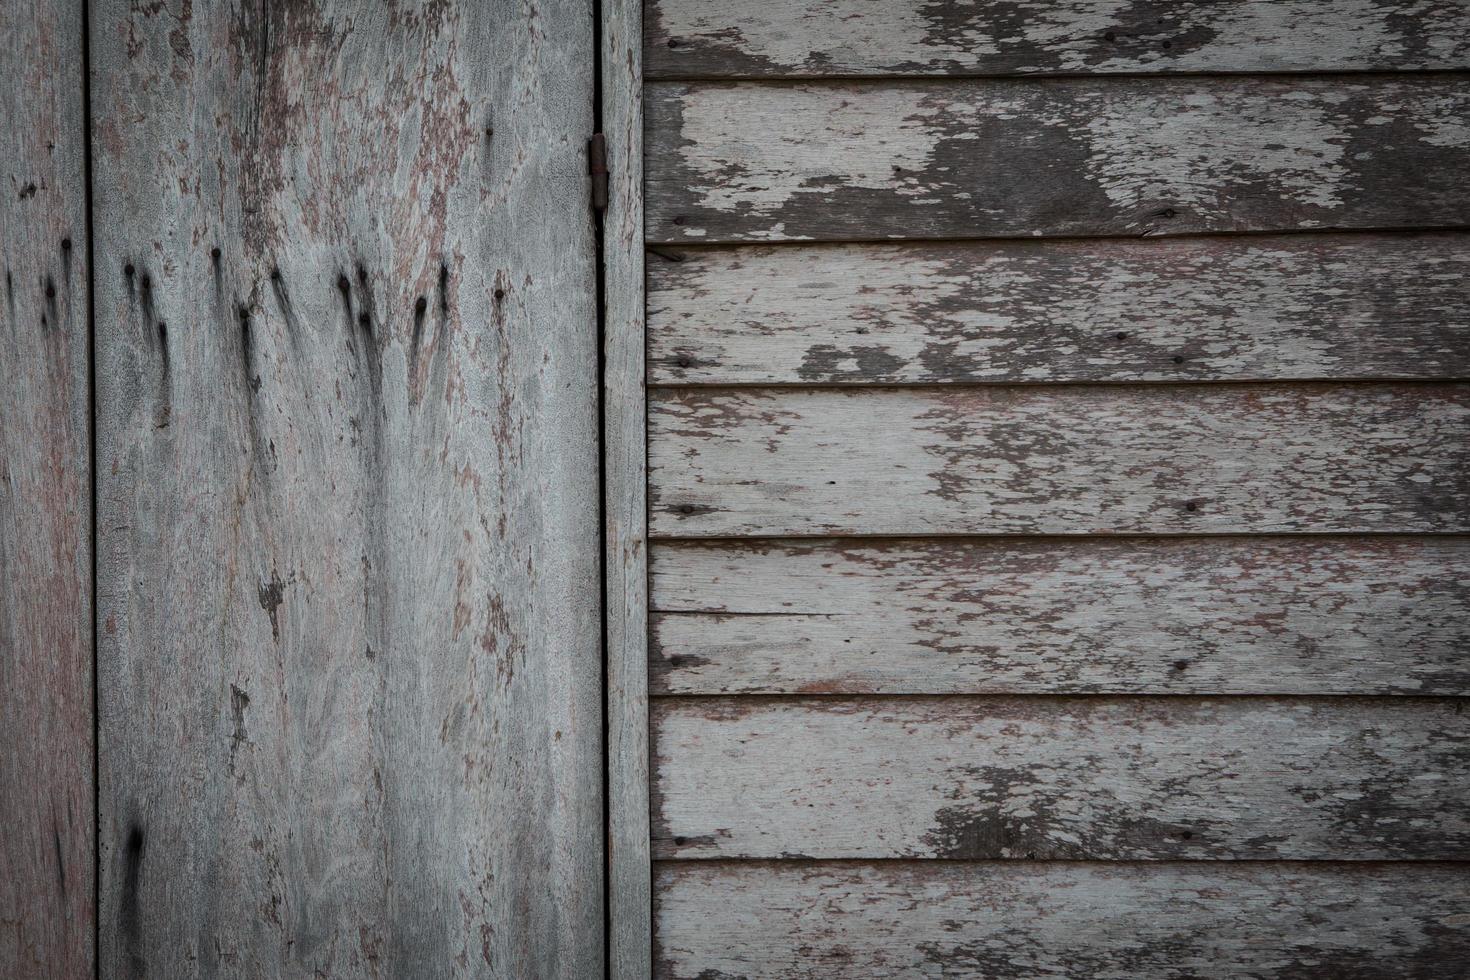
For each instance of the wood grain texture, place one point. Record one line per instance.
(1167, 459)
(1234, 308)
(825, 38)
(729, 162)
(1119, 922)
(1149, 616)
(348, 478)
(625, 496)
(47, 829)
(1076, 778)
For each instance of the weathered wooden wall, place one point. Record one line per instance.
(349, 646)
(1059, 488)
(47, 827)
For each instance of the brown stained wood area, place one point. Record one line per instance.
(348, 490)
(47, 830)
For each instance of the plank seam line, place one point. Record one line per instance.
(86, 45)
(599, 234)
(1014, 537)
(1160, 697)
(737, 241)
(1068, 79)
(970, 385)
(940, 78)
(662, 249)
(917, 863)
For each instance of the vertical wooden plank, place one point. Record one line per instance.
(349, 682)
(47, 858)
(625, 496)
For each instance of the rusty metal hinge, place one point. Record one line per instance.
(597, 167)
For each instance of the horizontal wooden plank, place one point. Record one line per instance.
(731, 162)
(1131, 778)
(1234, 308)
(777, 38)
(853, 921)
(1218, 458)
(1152, 616)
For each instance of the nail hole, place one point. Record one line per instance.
(680, 219)
(1191, 506)
(684, 362)
(1168, 44)
(244, 314)
(1178, 359)
(673, 42)
(680, 841)
(1181, 664)
(66, 244)
(363, 319)
(128, 270)
(419, 306)
(1110, 36)
(686, 508)
(50, 290)
(214, 253)
(1121, 335)
(499, 294)
(1187, 835)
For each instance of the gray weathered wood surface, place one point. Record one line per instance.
(969, 159)
(1093, 459)
(1153, 616)
(47, 830)
(1210, 686)
(1234, 308)
(347, 427)
(625, 496)
(777, 38)
(1077, 778)
(1111, 922)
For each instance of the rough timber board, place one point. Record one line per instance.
(745, 162)
(47, 845)
(1235, 308)
(625, 496)
(1073, 778)
(826, 38)
(1153, 616)
(1012, 920)
(1078, 459)
(347, 417)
